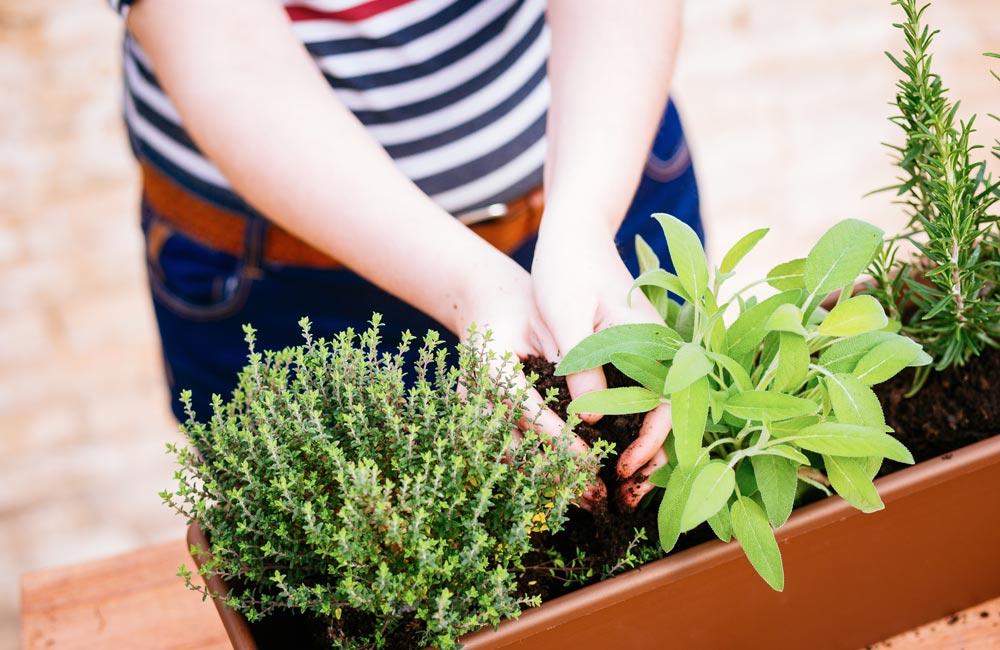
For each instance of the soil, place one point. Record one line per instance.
(954, 408)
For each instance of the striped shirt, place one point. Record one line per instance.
(454, 90)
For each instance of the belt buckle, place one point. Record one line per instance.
(487, 213)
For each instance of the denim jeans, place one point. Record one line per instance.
(202, 297)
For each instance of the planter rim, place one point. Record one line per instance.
(826, 512)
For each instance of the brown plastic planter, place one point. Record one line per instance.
(851, 579)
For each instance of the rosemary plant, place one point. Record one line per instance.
(947, 293)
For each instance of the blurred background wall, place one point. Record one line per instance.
(785, 104)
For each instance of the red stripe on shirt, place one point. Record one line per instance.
(354, 14)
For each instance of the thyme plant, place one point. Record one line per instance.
(947, 292)
(328, 484)
(778, 399)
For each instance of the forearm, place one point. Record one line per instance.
(268, 120)
(610, 69)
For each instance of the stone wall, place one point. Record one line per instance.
(785, 104)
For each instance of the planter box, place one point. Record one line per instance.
(851, 579)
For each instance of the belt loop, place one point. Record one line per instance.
(253, 244)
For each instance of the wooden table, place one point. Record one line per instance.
(136, 601)
(132, 601)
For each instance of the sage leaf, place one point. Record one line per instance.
(648, 259)
(788, 276)
(789, 452)
(740, 249)
(661, 475)
(851, 440)
(710, 491)
(843, 355)
(793, 361)
(689, 411)
(721, 525)
(739, 375)
(652, 341)
(853, 402)
(717, 404)
(855, 315)
(840, 256)
(663, 280)
(747, 331)
(786, 318)
(690, 364)
(651, 374)
(685, 321)
(687, 254)
(675, 497)
(757, 539)
(615, 401)
(745, 479)
(886, 359)
(760, 404)
(777, 480)
(849, 477)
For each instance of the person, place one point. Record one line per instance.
(310, 157)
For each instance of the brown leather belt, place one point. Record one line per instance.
(505, 225)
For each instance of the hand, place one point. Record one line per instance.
(581, 286)
(503, 302)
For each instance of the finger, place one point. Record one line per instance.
(539, 417)
(595, 497)
(586, 381)
(655, 427)
(634, 489)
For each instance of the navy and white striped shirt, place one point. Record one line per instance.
(455, 90)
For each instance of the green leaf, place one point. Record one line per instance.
(661, 475)
(687, 254)
(851, 440)
(647, 257)
(788, 276)
(717, 404)
(853, 402)
(721, 525)
(757, 539)
(690, 364)
(789, 452)
(840, 256)
(710, 491)
(856, 315)
(760, 404)
(652, 341)
(675, 498)
(747, 331)
(651, 374)
(786, 318)
(793, 362)
(849, 477)
(685, 321)
(662, 279)
(615, 401)
(740, 249)
(739, 375)
(689, 410)
(777, 480)
(886, 359)
(745, 479)
(843, 356)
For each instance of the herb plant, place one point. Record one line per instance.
(946, 293)
(328, 485)
(778, 398)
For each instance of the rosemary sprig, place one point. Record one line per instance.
(947, 293)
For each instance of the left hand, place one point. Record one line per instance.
(581, 286)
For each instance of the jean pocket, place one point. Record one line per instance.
(189, 278)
